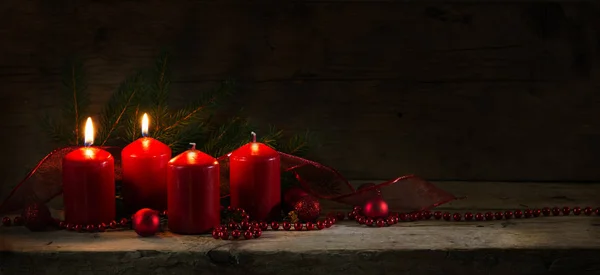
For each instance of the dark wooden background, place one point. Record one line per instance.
(456, 91)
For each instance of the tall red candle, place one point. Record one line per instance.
(88, 178)
(144, 172)
(193, 192)
(254, 180)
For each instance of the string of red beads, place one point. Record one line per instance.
(247, 229)
(394, 218)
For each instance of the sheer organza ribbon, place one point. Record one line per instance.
(403, 194)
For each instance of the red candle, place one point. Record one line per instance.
(144, 172)
(193, 192)
(88, 177)
(254, 180)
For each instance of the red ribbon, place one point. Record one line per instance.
(403, 194)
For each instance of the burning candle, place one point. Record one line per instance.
(88, 177)
(193, 192)
(144, 168)
(254, 180)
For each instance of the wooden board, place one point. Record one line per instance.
(461, 91)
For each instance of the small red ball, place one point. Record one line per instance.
(357, 209)
(328, 223)
(6, 221)
(380, 223)
(90, 228)
(446, 216)
(468, 216)
(287, 225)
(508, 214)
(479, 217)
(555, 211)
(369, 221)
(360, 220)
(528, 213)
(78, 227)
(112, 224)
(577, 211)
(62, 225)
(146, 222)
(376, 208)
(310, 226)
(518, 214)
(70, 227)
(123, 222)
(232, 225)
(457, 217)
(566, 210)
(245, 225)
(437, 215)
(307, 208)
(236, 234)
(248, 234)
(537, 212)
(597, 211)
(256, 233)
(499, 215)
(164, 213)
(263, 225)
(489, 216)
(215, 234)
(298, 226)
(390, 220)
(404, 217)
(415, 216)
(224, 235)
(18, 220)
(274, 225)
(321, 225)
(36, 217)
(254, 225)
(546, 211)
(101, 227)
(426, 215)
(588, 211)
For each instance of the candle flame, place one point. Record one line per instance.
(89, 132)
(145, 123)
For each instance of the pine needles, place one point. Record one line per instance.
(148, 92)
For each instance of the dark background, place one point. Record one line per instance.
(498, 91)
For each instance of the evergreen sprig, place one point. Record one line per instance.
(149, 92)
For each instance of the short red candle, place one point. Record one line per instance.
(144, 173)
(255, 180)
(193, 192)
(88, 178)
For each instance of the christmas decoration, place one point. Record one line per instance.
(36, 217)
(307, 208)
(146, 222)
(376, 208)
(291, 196)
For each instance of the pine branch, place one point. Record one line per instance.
(121, 102)
(55, 130)
(74, 93)
(160, 90)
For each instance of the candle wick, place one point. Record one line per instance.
(193, 146)
(253, 136)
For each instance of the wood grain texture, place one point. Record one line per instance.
(489, 91)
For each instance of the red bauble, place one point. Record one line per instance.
(308, 209)
(376, 208)
(293, 195)
(146, 222)
(36, 217)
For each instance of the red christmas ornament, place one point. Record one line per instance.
(293, 195)
(36, 217)
(146, 222)
(6, 221)
(376, 208)
(308, 209)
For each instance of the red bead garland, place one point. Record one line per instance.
(393, 218)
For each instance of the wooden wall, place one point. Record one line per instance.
(489, 91)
